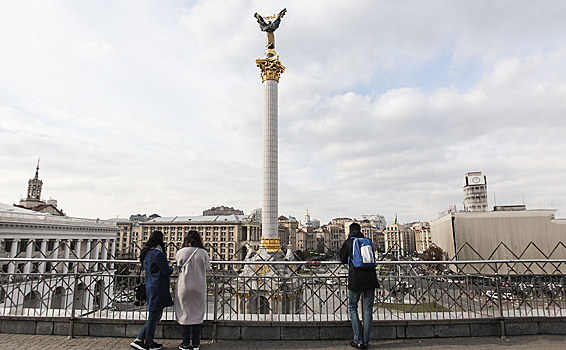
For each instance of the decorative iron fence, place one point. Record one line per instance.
(295, 290)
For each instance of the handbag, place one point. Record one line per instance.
(139, 289)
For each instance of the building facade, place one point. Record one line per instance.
(28, 234)
(399, 240)
(421, 230)
(475, 192)
(227, 238)
(222, 210)
(502, 234)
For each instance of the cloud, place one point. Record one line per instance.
(383, 107)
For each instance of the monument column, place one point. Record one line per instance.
(271, 69)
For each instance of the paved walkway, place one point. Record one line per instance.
(53, 342)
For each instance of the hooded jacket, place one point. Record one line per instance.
(358, 278)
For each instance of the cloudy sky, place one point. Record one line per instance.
(156, 106)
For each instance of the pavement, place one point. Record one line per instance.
(54, 342)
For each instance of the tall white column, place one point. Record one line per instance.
(78, 247)
(271, 69)
(29, 251)
(270, 160)
(113, 252)
(66, 256)
(105, 252)
(43, 250)
(56, 245)
(13, 253)
(87, 254)
(96, 252)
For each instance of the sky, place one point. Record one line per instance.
(156, 106)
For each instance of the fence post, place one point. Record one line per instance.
(215, 321)
(72, 321)
(500, 303)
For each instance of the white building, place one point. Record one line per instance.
(475, 191)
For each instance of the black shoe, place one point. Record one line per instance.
(138, 345)
(155, 346)
(185, 346)
(356, 345)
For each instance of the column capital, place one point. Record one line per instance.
(271, 68)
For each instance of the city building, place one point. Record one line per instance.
(27, 234)
(399, 241)
(421, 230)
(376, 220)
(222, 210)
(506, 233)
(228, 237)
(475, 191)
(290, 225)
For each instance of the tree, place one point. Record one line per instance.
(434, 253)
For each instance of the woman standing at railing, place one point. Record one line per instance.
(190, 297)
(157, 272)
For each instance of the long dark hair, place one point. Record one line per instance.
(192, 239)
(155, 239)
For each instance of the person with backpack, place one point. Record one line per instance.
(357, 251)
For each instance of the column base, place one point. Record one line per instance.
(271, 245)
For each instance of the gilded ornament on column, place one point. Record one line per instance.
(271, 244)
(271, 68)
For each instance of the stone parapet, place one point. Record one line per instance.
(289, 330)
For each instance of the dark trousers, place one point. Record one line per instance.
(186, 332)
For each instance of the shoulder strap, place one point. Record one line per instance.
(189, 259)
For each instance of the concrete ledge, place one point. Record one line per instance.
(521, 328)
(260, 332)
(485, 329)
(557, 327)
(108, 330)
(381, 332)
(233, 330)
(228, 332)
(452, 330)
(416, 331)
(337, 332)
(300, 333)
(44, 327)
(18, 327)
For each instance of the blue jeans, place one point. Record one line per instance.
(353, 298)
(148, 330)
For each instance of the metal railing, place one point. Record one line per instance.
(295, 291)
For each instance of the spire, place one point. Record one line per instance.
(34, 186)
(37, 170)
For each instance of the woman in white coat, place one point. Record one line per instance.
(190, 298)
